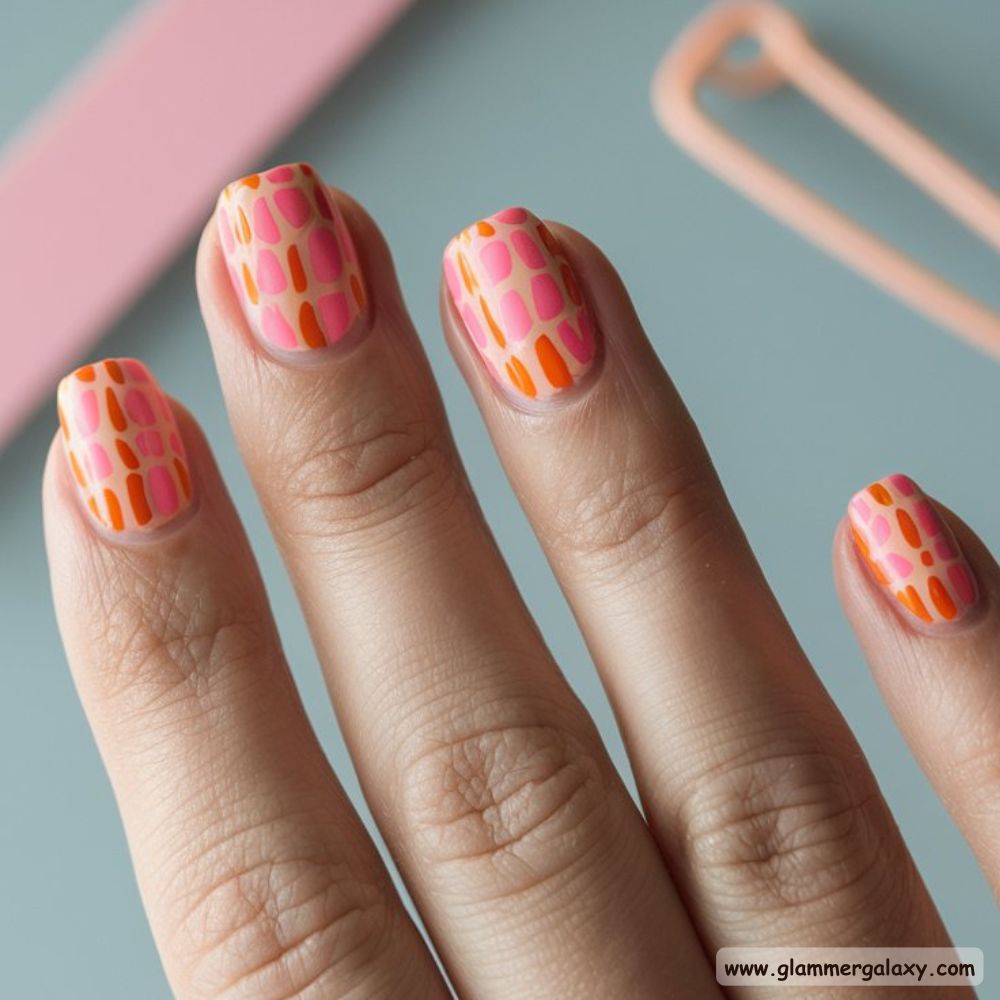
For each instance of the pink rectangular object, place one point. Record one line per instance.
(110, 182)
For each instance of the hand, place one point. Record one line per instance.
(531, 867)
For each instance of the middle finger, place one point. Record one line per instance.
(530, 864)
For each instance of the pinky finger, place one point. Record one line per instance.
(922, 593)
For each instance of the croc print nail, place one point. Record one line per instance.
(291, 258)
(520, 303)
(121, 442)
(911, 551)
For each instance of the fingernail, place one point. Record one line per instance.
(121, 442)
(520, 304)
(291, 259)
(912, 551)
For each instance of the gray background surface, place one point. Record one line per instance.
(806, 381)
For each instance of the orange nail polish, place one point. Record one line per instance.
(122, 446)
(911, 551)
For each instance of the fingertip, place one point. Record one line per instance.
(217, 294)
(522, 310)
(297, 267)
(208, 259)
(52, 469)
(603, 287)
(857, 592)
(900, 550)
(62, 519)
(372, 245)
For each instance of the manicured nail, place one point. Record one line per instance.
(122, 446)
(291, 258)
(521, 304)
(912, 551)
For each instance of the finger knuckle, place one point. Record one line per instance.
(163, 634)
(501, 810)
(800, 830)
(277, 926)
(635, 508)
(365, 468)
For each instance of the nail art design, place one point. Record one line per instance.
(520, 303)
(121, 442)
(911, 551)
(291, 258)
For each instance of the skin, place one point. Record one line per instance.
(533, 871)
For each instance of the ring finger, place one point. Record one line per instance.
(755, 788)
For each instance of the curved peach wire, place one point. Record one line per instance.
(787, 55)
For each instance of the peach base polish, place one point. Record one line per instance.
(291, 259)
(520, 304)
(121, 443)
(911, 551)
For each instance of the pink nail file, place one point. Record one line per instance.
(112, 179)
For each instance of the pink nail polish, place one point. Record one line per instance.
(911, 550)
(122, 446)
(291, 259)
(520, 304)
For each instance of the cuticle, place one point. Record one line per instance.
(139, 539)
(304, 360)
